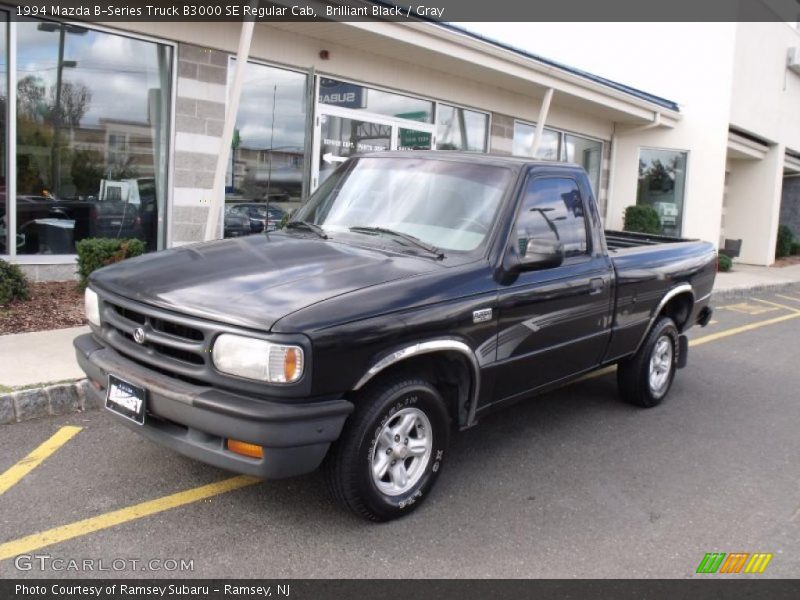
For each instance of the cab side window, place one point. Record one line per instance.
(552, 209)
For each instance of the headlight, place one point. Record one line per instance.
(92, 306)
(257, 359)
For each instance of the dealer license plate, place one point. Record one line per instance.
(126, 399)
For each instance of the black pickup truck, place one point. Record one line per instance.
(410, 295)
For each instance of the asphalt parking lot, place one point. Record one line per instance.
(571, 484)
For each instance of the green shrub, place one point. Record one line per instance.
(13, 284)
(724, 262)
(785, 239)
(94, 253)
(642, 218)
(795, 247)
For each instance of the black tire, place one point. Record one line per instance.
(348, 467)
(633, 374)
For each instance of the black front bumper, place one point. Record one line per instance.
(196, 421)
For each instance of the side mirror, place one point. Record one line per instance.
(542, 254)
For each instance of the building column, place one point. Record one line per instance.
(199, 116)
(754, 204)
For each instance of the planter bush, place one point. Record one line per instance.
(785, 240)
(13, 283)
(94, 253)
(642, 219)
(724, 263)
(795, 248)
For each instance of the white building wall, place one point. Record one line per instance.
(766, 95)
(753, 206)
(699, 68)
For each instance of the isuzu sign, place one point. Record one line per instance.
(338, 93)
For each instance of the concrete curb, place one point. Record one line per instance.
(50, 400)
(755, 289)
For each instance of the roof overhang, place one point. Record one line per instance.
(460, 54)
(743, 148)
(791, 165)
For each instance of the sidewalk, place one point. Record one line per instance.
(38, 357)
(748, 277)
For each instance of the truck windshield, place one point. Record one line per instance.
(446, 204)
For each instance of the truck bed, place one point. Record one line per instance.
(617, 240)
(647, 267)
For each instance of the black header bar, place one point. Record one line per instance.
(425, 10)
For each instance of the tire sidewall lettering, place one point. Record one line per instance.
(404, 503)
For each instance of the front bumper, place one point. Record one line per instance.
(196, 420)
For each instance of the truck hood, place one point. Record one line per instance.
(256, 280)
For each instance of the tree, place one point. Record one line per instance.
(30, 98)
(75, 100)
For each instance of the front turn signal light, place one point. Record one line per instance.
(245, 448)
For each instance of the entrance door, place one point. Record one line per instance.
(342, 132)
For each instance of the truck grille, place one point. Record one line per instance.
(172, 343)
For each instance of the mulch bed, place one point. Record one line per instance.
(52, 305)
(788, 261)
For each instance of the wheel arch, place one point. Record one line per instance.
(450, 362)
(677, 304)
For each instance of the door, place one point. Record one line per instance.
(553, 322)
(342, 132)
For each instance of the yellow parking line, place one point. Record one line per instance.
(35, 458)
(791, 308)
(123, 515)
(788, 297)
(749, 327)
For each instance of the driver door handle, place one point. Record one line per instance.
(596, 286)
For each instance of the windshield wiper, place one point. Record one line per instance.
(312, 227)
(403, 236)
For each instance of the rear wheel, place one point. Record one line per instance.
(391, 449)
(645, 378)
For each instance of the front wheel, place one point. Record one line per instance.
(645, 378)
(391, 449)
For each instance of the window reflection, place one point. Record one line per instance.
(351, 95)
(662, 178)
(553, 210)
(92, 136)
(586, 153)
(5, 234)
(268, 146)
(461, 129)
(523, 142)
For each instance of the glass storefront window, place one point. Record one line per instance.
(461, 129)
(586, 153)
(351, 95)
(5, 234)
(523, 142)
(662, 181)
(268, 149)
(92, 136)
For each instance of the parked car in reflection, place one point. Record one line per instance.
(282, 183)
(260, 215)
(47, 224)
(235, 224)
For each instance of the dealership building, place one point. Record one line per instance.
(116, 129)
